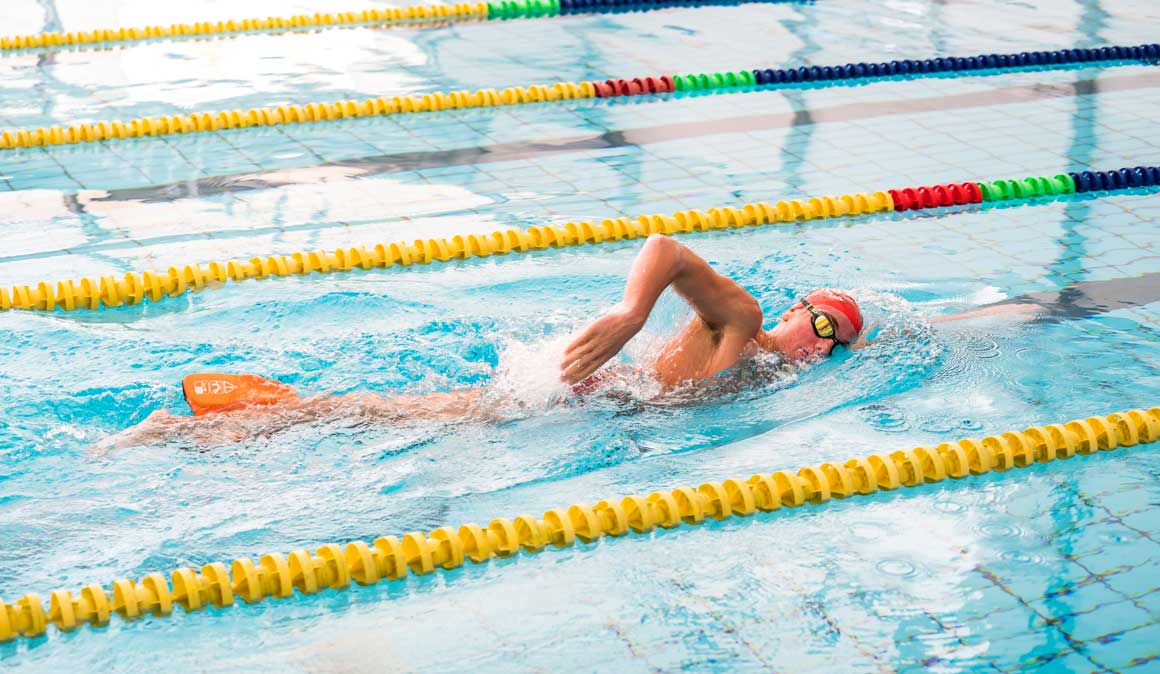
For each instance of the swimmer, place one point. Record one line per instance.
(725, 330)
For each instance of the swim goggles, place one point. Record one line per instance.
(823, 325)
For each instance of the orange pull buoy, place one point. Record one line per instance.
(216, 392)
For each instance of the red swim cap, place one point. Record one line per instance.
(826, 297)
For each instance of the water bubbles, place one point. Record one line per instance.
(938, 425)
(981, 344)
(972, 425)
(947, 506)
(1039, 357)
(949, 425)
(1035, 382)
(528, 377)
(866, 531)
(953, 368)
(1000, 530)
(982, 347)
(1021, 557)
(885, 417)
(899, 568)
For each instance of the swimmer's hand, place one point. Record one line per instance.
(599, 343)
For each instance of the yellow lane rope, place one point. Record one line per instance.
(282, 115)
(721, 82)
(387, 15)
(334, 566)
(135, 287)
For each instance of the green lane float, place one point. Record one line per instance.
(386, 16)
(718, 82)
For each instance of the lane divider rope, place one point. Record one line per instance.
(136, 287)
(458, 11)
(717, 82)
(334, 566)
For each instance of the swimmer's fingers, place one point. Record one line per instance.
(571, 368)
(580, 353)
(580, 369)
(582, 345)
(588, 359)
(580, 357)
(571, 359)
(600, 342)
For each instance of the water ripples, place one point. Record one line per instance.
(885, 417)
(1001, 530)
(899, 568)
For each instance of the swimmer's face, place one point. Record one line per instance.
(796, 335)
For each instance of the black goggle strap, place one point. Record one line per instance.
(823, 326)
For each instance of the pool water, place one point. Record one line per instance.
(1054, 567)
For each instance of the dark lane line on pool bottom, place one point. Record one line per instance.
(1084, 299)
(517, 150)
(915, 200)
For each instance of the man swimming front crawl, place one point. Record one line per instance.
(725, 330)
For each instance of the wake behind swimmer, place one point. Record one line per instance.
(725, 329)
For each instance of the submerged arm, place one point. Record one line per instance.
(1019, 312)
(724, 306)
(1015, 311)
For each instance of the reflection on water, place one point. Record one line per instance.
(954, 576)
(500, 328)
(282, 473)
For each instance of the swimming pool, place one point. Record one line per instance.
(1053, 566)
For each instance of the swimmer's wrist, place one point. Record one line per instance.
(635, 312)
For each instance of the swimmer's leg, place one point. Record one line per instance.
(159, 426)
(220, 428)
(458, 405)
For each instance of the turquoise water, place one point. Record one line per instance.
(1054, 567)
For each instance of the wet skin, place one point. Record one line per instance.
(725, 329)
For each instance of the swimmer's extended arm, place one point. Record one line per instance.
(1020, 312)
(724, 306)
